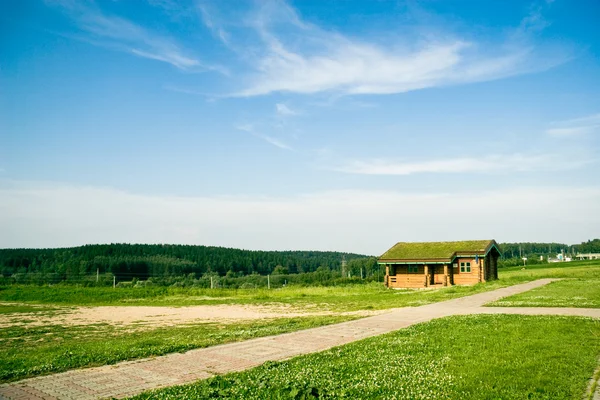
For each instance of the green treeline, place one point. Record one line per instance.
(201, 265)
(141, 261)
(516, 250)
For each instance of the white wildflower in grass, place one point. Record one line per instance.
(564, 293)
(462, 357)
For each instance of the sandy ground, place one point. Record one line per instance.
(148, 316)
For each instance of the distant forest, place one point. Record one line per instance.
(141, 261)
(514, 250)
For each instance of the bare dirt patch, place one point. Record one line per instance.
(149, 316)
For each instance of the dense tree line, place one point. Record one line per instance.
(142, 261)
(163, 263)
(591, 246)
(517, 250)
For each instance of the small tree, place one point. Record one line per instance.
(280, 270)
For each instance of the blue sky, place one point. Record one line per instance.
(298, 125)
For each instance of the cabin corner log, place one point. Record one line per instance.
(445, 274)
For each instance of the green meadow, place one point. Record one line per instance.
(574, 292)
(370, 296)
(41, 350)
(461, 357)
(28, 349)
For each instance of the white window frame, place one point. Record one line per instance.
(465, 266)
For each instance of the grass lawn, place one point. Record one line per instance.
(27, 308)
(31, 351)
(566, 293)
(461, 357)
(371, 296)
(574, 269)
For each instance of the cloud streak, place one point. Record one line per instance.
(575, 127)
(269, 139)
(284, 110)
(482, 165)
(120, 34)
(325, 61)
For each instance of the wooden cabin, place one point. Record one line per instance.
(426, 264)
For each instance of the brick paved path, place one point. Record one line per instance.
(133, 377)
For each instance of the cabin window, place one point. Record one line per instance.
(465, 267)
(455, 265)
(413, 269)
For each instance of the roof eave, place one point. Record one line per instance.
(413, 260)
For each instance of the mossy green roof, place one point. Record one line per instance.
(434, 250)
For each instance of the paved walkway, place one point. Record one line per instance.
(133, 377)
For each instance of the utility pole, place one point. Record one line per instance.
(344, 267)
(97, 274)
(268, 281)
(114, 281)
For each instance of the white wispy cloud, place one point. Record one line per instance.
(123, 35)
(186, 90)
(172, 58)
(575, 127)
(214, 26)
(284, 110)
(269, 139)
(484, 165)
(245, 127)
(369, 222)
(593, 119)
(329, 61)
(573, 131)
(274, 141)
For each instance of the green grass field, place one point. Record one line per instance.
(341, 298)
(371, 296)
(31, 351)
(27, 308)
(462, 357)
(565, 293)
(574, 269)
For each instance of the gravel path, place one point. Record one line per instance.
(133, 377)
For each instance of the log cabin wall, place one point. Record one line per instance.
(404, 279)
(461, 274)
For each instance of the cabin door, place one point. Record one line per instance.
(432, 275)
(437, 274)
